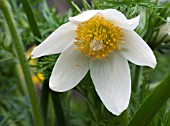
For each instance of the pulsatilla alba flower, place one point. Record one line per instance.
(102, 41)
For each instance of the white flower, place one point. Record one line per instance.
(102, 41)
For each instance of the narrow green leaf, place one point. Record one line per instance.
(86, 5)
(31, 18)
(74, 6)
(152, 104)
(5, 120)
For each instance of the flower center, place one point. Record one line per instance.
(98, 37)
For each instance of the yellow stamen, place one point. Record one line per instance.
(98, 37)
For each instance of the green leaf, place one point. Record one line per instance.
(152, 104)
(31, 18)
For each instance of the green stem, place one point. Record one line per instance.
(24, 64)
(138, 70)
(18, 74)
(152, 104)
(44, 100)
(51, 112)
(20, 81)
(58, 109)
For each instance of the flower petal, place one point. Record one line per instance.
(112, 82)
(69, 70)
(120, 20)
(134, 22)
(57, 41)
(84, 16)
(136, 50)
(110, 14)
